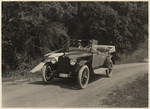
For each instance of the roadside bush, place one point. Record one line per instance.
(140, 55)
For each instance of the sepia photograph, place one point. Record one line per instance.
(74, 54)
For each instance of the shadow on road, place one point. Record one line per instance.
(96, 77)
(67, 83)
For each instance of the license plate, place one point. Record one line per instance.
(63, 75)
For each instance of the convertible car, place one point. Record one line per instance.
(81, 61)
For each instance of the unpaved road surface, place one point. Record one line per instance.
(64, 92)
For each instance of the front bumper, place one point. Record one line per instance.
(70, 74)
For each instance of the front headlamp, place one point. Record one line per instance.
(73, 61)
(53, 60)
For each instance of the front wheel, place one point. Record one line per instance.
(83, 77)
(109, 71)
(47, 75)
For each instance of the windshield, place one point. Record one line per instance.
(79, 43)
(76, 45)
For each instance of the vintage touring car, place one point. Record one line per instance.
(82, 60)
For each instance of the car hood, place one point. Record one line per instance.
(72, 53)
(55, 55)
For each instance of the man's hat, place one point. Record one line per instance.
(79, 40)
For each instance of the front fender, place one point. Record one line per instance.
(79, 65)
(40, 65)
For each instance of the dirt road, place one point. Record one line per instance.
(64, 92)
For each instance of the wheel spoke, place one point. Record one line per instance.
(48, 73)
(84, 77)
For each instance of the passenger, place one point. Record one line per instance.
(91, 47)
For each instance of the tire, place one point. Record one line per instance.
(110, 69)
(83, 77)
(47, 73)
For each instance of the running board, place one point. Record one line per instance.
(100, 71)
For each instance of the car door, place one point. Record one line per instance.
(98, 59)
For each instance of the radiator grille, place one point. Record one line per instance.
(64, 64)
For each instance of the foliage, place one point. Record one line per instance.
(32, 29)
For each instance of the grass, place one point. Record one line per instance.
(15, 75)
(131, 95)
(23, 72)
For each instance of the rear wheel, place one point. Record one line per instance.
(109, 71)
(47, 75)
(83, 77)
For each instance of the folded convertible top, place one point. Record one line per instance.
(106, 48)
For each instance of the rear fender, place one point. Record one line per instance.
(107, 60)
(111, 57)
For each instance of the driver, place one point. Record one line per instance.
(80, 44)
